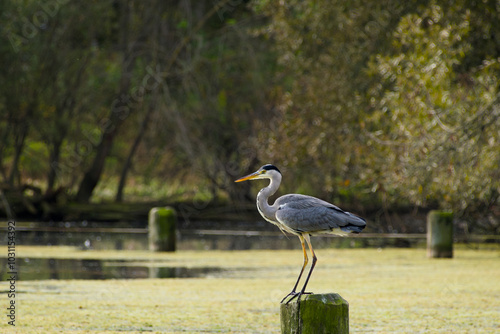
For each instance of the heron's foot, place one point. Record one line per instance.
(294, 295)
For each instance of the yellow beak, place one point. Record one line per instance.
(248, 177)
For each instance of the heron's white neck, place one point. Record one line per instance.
(268, 211)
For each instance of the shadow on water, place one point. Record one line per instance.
(91, 269)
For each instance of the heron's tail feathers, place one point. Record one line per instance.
(355, 225)
(352, 229)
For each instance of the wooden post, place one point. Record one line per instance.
(315, 314)
(162, 229)
(440, 234)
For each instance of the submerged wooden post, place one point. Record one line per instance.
(162, 229)
(440, 234)
(315, 314)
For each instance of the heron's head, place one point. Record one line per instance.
(264, 172)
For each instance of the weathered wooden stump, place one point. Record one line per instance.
(315, 314)
(162, 229)
(440, 234)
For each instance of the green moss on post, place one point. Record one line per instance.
(162, 229)
(315, 314)
(440, 234)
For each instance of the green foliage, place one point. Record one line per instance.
(438, 128)
(324, 47)
(393, 99)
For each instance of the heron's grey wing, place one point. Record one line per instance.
(304, 201)
(309, 214)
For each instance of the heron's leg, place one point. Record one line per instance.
(308, 240)
(298, 295)
(306, 260)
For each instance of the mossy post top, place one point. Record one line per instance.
(448, 215)
(315, 314)
(166, 211)
(327, 298)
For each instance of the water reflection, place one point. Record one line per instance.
(196, 236)
(92, 269)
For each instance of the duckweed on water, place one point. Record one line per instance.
(390, 290)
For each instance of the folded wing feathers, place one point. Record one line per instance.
(309, 214)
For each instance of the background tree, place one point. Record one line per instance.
(438, 117)
(393, 135)
(324, 49)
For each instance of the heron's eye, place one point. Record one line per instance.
(263, 171)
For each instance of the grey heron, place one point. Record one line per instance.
(302, 216)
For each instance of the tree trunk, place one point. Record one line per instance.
(93, 174)
(133, 149)
(4, 140)
(64, 113)
(55, 153)
(19, 146)
(116, 117)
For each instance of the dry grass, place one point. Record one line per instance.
(390, 290)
